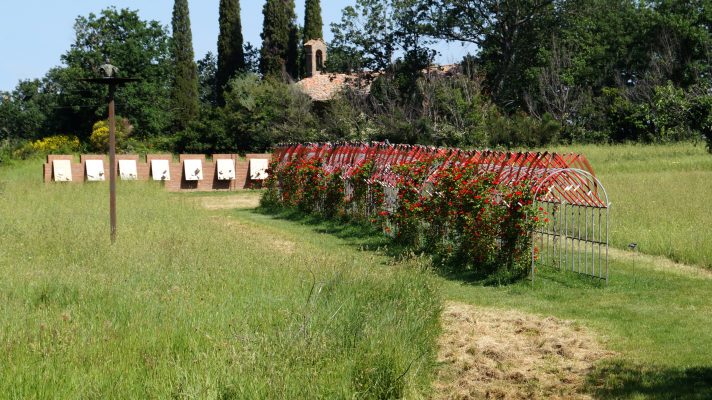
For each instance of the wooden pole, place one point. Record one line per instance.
(112, 162)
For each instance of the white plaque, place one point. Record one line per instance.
(128, 170)
(95, 170)
(226, 169)
(258, 168)
(193, 170)
(62, 170)
(160, 170)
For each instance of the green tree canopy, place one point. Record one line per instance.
(231, 55)
(185, 79)
(61, 103)
(279, 52)
(313, 24)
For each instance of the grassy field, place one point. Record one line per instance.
(661, 197)
(226, 303)
(197, 304)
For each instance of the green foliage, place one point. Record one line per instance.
(371, 33)
(431, 109)
(312, 20)
(670, 115)
(140, 49)
(207, 80)
(278, 55)
(509, 35)
(522, 130)
(11, 149)
(231, 55)
(206, 134)
(24, 112)
(184, 93)
(260, 113)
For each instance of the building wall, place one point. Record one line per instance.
(177, 180)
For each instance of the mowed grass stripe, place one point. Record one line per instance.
(192, 303)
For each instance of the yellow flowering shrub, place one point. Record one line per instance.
(99, 138)
(56, 144)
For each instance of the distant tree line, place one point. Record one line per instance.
(543, 71)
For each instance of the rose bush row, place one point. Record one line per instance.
(468, 219)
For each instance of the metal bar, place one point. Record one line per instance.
(578, 222)
(558, 245)
(607, 214)
(112, 162)
(593, 241)
(599, 243)
(573, 230)
(585, 247)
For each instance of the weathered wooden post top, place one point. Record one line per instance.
(109, 77)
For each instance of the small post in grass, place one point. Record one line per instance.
(108, 77)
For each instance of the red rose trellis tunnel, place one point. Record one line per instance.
(570, 205)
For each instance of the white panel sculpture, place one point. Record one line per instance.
(160, 170)
(128, 170)
(193, 170)
(258, 168)
(226, 170)
(95, 170)
(62, 170)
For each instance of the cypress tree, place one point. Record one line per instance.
(279, 39)
(185, 83)
(231, 55)
(312, 21)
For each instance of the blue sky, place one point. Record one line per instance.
(35, 33)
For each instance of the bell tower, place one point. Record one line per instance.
(315, 51)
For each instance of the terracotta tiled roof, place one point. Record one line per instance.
(314, 41)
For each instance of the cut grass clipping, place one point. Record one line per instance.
(190, 305)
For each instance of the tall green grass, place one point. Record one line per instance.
(194, 304)
(662, 197)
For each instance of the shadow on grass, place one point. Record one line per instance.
(365, 236)
(625, 380)
(359, 235)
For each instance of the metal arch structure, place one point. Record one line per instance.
(573, 201)
(574, 236)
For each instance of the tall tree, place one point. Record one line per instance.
(372, 32)
(279, 54)
(207, 80)
(509, 34)
(185, 84)
(231, 56)
(140, 49)
(312, 20)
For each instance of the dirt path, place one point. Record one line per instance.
(659, 263)
(495, 354)
(228, 202)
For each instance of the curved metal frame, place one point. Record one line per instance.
(605, 204)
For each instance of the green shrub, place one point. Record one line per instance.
(522, 130)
